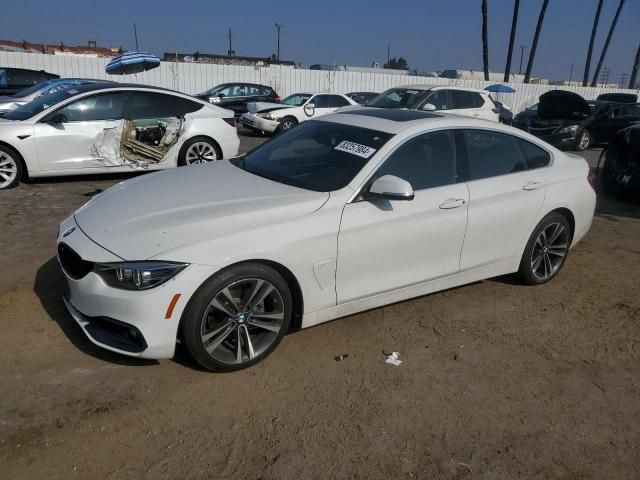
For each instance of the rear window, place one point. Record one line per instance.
(399, 98)
(491, 154)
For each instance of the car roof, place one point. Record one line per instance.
(440, 87)
(394, 120)
(110, 85)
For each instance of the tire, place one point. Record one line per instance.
(584, 141)
(198, 150)
(287, 123)
(237, 317)
(546, 250)
(11, 168)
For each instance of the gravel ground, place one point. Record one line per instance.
(498, 380)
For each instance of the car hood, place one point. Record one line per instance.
(146, 216)
(562, 105)
(264, 107)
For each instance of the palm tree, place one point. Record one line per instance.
(514, 22)
(534, 45)
(485, 41)
(634, 70)
(587, 65)
(606, 44)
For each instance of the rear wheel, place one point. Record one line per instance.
(10, 168)
(546, 250)
(198, 150)
(237, 318)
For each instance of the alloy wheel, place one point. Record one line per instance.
(585, 140)
(287, 124)
(549, 251)
(8, 169)
(200, 152)
(242, 321)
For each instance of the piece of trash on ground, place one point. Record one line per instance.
(393, 358)
(341, 357)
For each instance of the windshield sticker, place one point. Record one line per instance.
(355, 149)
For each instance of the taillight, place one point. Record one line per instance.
(591, 178)
(230, 121)
(276, 100)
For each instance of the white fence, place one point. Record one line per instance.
(194, 78)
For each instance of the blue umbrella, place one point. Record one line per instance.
(499, 88)
(132, 62)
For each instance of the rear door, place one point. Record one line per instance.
(506, 191)
(466, 103)
(71, 143)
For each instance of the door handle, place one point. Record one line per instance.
(450, 203)
(532, 185)
(475, 114)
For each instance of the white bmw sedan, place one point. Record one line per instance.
(342, 214)
(111, 128)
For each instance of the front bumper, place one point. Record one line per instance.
(253, 121)
(551, 135)
(132, 323)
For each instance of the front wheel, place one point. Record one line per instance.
(198, 150)
(10, 168)
(584, 141)
(237, 318)
(287, 123)
(546, 250)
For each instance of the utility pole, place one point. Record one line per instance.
(388, 54)
(634, 70)
(623, 78)
(135, 34)
(278, 27)
(571, 73)
(512, 37)
(230, 53)
(606, 42)
(522, 49)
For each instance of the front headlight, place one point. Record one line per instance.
(572, 129)
(268, 116)
(137, 275)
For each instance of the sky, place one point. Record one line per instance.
(430, 34)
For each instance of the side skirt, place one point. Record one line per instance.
(480, 273)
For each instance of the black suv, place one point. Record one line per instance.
(12, 80)
(235, 96)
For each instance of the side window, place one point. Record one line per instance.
(478, 100)
(336, 101)
(461, 99)
(426, 161)
(492, 154)
(265, 91)
(628, 111)
(535, 156)
(106, 106)
(320, 101)
(439, 99)
(158, 105)
(3, 77)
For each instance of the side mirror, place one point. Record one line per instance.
(309, 109)
(429, 107)
(57, 119)
(390, 187)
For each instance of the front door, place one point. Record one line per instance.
(66, 139)
(385, 245)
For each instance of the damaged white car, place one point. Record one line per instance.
(277, 117)
(109, 128)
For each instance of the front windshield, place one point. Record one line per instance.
(296, 99)
(214, 90)
(316, 155)
(399, 98)
(40, 104)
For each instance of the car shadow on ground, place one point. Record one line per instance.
(609, 205)
(49, 286)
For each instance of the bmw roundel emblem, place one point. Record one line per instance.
(68, 232)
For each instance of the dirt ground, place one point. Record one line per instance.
(498, 380)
